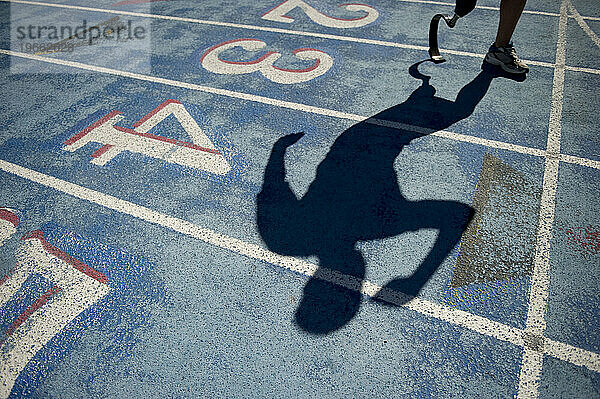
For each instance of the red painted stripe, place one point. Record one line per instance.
(197, 147)
(355, 4)
(77, 264)
(311, 68)
(10, 272)
(149, 135)
(222, 44)
(128, 2)
(91, 127)
(256, 61)
(41, 301)
(154, 111)
(98, 153)
(306, 49)
(167, 140)
(9, 216)
(275, 8)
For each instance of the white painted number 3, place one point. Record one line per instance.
(210, 61)
(277, 14)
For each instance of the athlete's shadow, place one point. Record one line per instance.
(355, 197)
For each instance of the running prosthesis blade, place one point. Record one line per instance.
(434, 51)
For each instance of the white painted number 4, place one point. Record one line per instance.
(201, 154)
(277, 14)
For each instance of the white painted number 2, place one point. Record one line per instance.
(210, 61)
(277, 14)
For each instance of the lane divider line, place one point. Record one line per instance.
(586, 28)
(582, 69)
(441, 3)
(445, 313)
(268, 29)
(590, 163)
(535, 327)
(500, 331)
(533, 12)
(303, 107)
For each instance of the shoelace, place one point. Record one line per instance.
(510, 50)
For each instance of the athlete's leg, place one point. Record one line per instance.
(510, 12)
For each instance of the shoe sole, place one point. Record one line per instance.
(497, 62)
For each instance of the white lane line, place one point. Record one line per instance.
(538, 296)
(556, 349)
(533, 12)
(589, 18)
(281, 103)
(244, 26)
(590, 163)
(572, 354)
(427, 2)
(584, 26)
(191, 86)
(583, 69)
(448, 314)
(309, 109)
(267, 29)
(460, 137)
(440, 3)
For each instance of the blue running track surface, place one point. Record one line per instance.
(287, 199)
